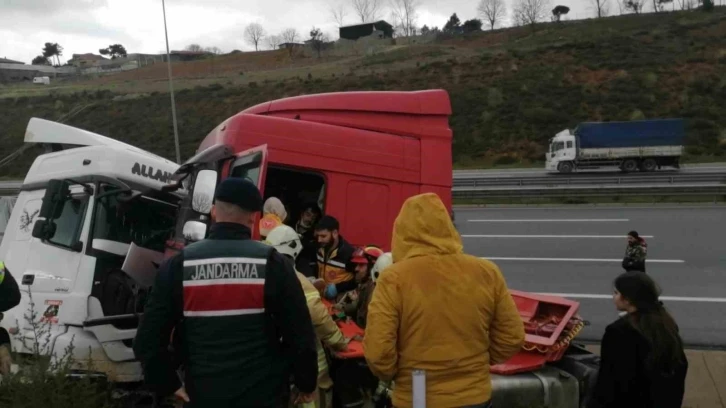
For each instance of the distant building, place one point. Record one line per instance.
(378, 29)
(9, 61)
(85, 60)
(14, 72)
(288, 45)
(189, 55)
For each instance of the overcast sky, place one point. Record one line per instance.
(83, 26)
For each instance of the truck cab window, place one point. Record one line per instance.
(70, 223)
(146, 221)
(295, 188)
(247, 167)
(569, 145)
(558, 146)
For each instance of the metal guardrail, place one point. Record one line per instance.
(589, 191)
(558, 181)
(10, 188)
(482, 187)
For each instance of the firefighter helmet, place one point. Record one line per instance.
(383, 262)
(285, 240)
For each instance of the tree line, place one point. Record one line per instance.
(51, 53)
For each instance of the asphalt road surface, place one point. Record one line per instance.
(577, 252)
(541, 172)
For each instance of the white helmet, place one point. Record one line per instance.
(383, 262)
(285, 240)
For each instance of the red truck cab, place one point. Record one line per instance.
(359, 155)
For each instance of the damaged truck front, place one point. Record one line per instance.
(84, 241)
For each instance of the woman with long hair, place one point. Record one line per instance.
(642, 360)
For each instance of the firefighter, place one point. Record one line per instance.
(9, 298)
(355, 303)
(245, 326)
(287, 242)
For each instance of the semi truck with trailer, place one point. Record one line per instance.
(645, 145)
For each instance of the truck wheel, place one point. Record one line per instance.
(649, 165)
(630, 166)
(565, 167)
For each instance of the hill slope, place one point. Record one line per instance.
(511, 90)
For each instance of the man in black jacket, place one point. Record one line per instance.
(336, 273)
(240, 314)
(306, 262)
(9, 298)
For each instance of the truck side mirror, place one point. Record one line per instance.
(203, 193)
(44, 229)
(194, 231)
(55, 194)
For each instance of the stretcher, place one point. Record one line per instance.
(349, 329)
(550, 324)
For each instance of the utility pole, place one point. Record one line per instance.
(171, 88)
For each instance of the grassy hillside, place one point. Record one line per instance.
(511, 90)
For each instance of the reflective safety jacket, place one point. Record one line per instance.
(242, 319)
(334, 266)
(326, 330)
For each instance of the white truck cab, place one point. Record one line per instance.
(562, 152)
(84, 240)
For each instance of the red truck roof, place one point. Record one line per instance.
(429, 111)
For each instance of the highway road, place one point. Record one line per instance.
(577, 251)
(541, 172)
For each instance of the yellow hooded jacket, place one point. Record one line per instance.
(439, 310)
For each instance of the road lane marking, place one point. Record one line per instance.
(665, 261)
(551, 236)
(558, 220)
(662, 298)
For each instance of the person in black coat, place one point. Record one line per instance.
(642, 362)
(9, 298)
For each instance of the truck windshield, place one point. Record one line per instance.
(557, 146)
(147, 222)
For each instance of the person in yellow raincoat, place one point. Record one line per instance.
(439, 310)
(287, 242)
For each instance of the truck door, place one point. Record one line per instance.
(251, 165)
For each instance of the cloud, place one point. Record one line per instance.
(48, 6)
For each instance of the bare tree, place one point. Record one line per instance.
(213, 50)
(602, 8)
(404, 14)
(367, 10)
(636, 6)
(493, 11)
(338, 11)
(686, 4)
(194, 48)
(273, 41)
(531, 12)
(254, 34)
(290, 35)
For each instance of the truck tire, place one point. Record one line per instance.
(649, 165)
(565, 167)
(630, 166)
